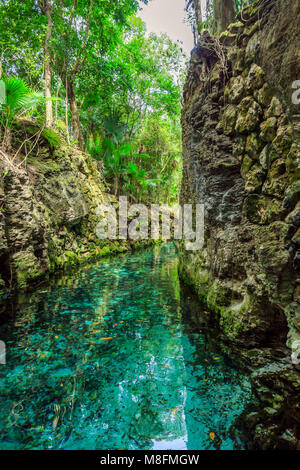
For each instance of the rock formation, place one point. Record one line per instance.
(241, 142)
(48, 210)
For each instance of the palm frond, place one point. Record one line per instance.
(17, 92)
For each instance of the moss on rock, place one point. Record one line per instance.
(249, 112)
(268, 129)
(229, 119)
(254, 146)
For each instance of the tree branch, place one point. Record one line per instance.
(79, 63)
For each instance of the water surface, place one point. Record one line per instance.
(107, 359)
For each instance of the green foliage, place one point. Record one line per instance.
(118, 86)
(16, 96)
(161, 140)
(114, 127)
(137, 102)
(20, 99)
(94, 147)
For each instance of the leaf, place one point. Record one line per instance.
(212, 436)
(16, 92)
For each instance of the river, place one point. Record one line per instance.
(110, 358)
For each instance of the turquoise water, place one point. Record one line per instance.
(108, 359)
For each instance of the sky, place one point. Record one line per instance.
(167, 16)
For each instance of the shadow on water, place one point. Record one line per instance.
(114, 358)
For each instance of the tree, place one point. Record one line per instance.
(198, 15)
(119, 88)
(217, 14)
(76, 35)
(137, 101)
(193, 8)
(46, 8)
(224, 14)
(22, 36)
(84, 32)
(27, 28)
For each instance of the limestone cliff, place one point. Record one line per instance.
(241, 159)
(48, 210)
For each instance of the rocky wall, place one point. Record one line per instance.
(48, 211)
(241, 160)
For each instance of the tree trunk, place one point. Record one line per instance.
(48, 71)
(76, 126)
(67, 111)
(56, 103)
(6, 143)
(198, 18)
(116, 185)
(169, 188)
(224, 14)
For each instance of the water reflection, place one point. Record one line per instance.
(107, 360)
